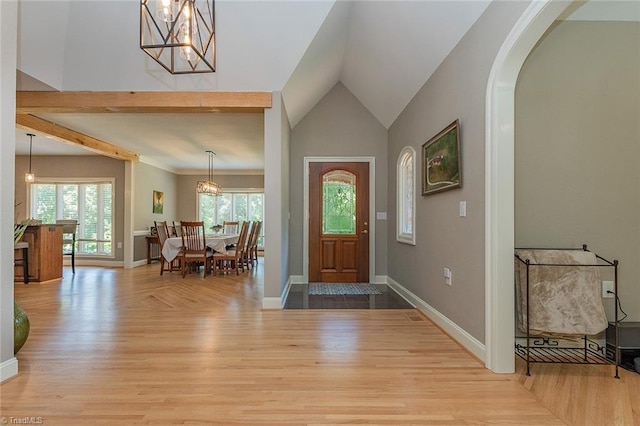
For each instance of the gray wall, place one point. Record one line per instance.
(75, 166)
(148, 179)
(187, 199)
(578, 146)
(277, 143)
(339, 125)
(443, 239)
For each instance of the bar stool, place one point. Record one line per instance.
(24, 262)
(69, 227)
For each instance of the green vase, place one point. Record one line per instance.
(21, 327)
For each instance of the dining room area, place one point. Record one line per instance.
(188, 247)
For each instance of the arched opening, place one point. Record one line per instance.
(499, 180)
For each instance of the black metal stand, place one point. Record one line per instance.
(542, 349)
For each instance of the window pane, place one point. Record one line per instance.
(90, 218)
(256, 206)
(207, 211)
(224, 208)
(232, 206)
(256, 212)
(408, 195)
(107, 218)
(44, 204)
(405, 196)
(70, 201)
(240, 207)
(89, 203)
(339, 203)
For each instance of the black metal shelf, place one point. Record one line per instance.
(548, 349)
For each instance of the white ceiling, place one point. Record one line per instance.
(382, 51)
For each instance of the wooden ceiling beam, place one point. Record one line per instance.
(38, 125)
(141, 102)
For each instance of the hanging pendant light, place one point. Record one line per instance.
(209, 187)
(179, 34)
(30, 177)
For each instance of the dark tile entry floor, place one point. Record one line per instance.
(389, 299)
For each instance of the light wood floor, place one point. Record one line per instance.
(113, 346)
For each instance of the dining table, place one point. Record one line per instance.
(216, 242)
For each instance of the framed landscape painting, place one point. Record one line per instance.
(441, 168)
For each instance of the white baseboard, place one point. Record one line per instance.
(278, 302)
(272, 303)
(8, 369)
(472, 344)
(297, 279)
(66, 261)
(105, 263)
(285, 292)
(380, 279)
(138, 263)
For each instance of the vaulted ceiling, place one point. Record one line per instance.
(382, 51)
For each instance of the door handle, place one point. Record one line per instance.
(365, 232)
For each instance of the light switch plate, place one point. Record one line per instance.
(447, 276)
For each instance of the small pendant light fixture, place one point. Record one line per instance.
(209, 187)
(30, 177)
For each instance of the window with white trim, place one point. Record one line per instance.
(88, 201)
(406, 203)
(232, 206)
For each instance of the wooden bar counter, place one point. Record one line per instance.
(45, 253)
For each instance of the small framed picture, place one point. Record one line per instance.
(441, 165)
(158, 202)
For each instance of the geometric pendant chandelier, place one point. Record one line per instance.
(179, 34)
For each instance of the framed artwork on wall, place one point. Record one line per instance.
(158, 202)
(441, 165)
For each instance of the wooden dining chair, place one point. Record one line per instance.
(246, 254)
(233, 259)
(251, 240)
(194, 247)
(252, 243)
(230, 227)
(163, 234)
(176, 229)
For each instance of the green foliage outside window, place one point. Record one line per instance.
(338, 208)
(91, 204)
(232, 207)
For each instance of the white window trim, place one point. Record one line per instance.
(239, 191)
(81, 180)
(401, 236)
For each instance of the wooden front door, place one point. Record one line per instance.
(339, 222)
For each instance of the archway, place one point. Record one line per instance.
(499, 180)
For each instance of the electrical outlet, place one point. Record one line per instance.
(119, 244)
(606, 287)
